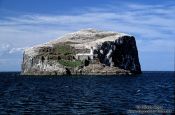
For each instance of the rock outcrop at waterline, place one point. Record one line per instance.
(86, 52)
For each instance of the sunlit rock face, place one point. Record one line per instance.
(87, 52)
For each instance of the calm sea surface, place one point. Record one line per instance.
(85, 94)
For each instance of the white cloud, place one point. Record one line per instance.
(8, 49)
(14, 50)
(145, 21)
(4, 48)
(136, 18)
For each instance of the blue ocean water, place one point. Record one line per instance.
(84, 94)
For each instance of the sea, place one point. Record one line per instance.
(148, 93)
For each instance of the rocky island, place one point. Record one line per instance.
(85, 52)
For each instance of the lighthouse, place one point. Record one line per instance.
(91, 53)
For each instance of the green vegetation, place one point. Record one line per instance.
(69, 63)
(64, 54)
(64, 49)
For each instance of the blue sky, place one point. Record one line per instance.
(24, 23)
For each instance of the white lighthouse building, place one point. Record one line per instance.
(83, 56)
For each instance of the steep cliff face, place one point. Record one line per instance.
(120, 53)
(84, 52)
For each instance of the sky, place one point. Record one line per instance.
(24, 23)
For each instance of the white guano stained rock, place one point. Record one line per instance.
(36, 61)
